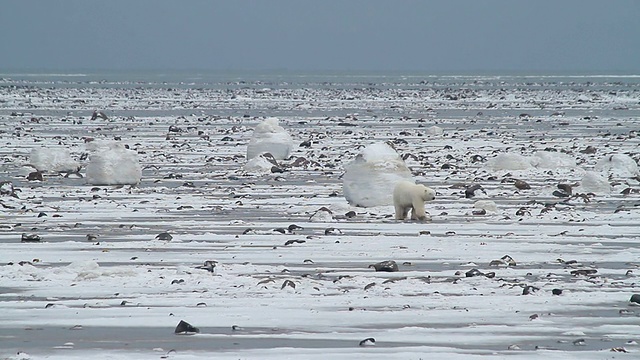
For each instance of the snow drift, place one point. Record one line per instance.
(112, 164)
(270, 137)
(369, 179)
(618, 165)
(53, 160)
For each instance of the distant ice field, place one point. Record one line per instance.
(104, 283)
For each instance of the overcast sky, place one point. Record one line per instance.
(303, 35)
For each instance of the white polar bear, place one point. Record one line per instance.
(409, 196)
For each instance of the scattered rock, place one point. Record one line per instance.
(27, 238)
(470, 191)
(522, 185)
(184, 328)
(209, 265)
(529, 289)
(386, 266)
(368, 342)
(635, 300)
(165, 236)
(35, 176)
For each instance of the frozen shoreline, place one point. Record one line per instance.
(193, 187)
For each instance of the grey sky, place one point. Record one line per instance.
(364, 35)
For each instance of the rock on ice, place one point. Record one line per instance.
(618, 165)
(369, 179)
(112, 164)
(270, 137)
(53, 160)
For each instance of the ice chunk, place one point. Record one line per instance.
(260, 164)
(595, 183)
(506, 161)
(434, 130)
(112, 164)
(487, 205)
(618, 165)
(552, 160)
(369, 179)
(53, 160)
(270, 137)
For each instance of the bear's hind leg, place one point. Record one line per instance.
(401, 212)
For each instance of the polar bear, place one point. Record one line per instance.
(409, 196)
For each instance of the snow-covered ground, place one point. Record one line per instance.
(289, 276)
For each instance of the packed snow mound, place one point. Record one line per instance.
(541, 160)
(270, 137)
(618, 165)
(53, 160)
(506, 161)
(261, 164)
(112, 164)
(369, 179)
(487, 205)
(593, 182)
(434, 130)
(552, 160)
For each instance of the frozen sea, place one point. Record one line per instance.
(102, 283)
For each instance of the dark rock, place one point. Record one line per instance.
(479, 212)
(368, 342)
(635, 299)
(585, 272)
(165, 236)
(98, 114)
(184, 328)
(528, 290)
(471, 189)
(209, 265)
(306, 144)
(473, 272)
(289, 242)
(556, 291)
(522, 185)
(294, 227)
(588, 150)
(386, 266)
(35, 176)
(350, 214)
(30, 238)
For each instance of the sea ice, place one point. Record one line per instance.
(49, 159)
(618, 165)
(270, 137)
(369, 179)
(112, 164)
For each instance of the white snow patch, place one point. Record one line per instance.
(112, 164)
(369, 179)
(552, 160)
(434, 130)
(487, 205)
(595, 183)
(270, 137)
(506, 161)
(259, 165)
(52, 160)
(618, 165)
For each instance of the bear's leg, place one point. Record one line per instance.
(417, 211)
(401, 212)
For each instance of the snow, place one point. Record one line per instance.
(509, 161)
(270, 137)
(369, 179)
(112, 164)
(259, 164)
(53, 160)
(595, 183)
(618, 166)
(293, 280)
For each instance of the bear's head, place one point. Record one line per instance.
(428, 193)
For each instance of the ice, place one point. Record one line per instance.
(434, 130)
(112, 164)
(259, 164)
(618, 166)
(53, 160)
(552, 160)
(594, 182)
(509, 161)
(487, 205)
(270, 137)
(369, 179)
